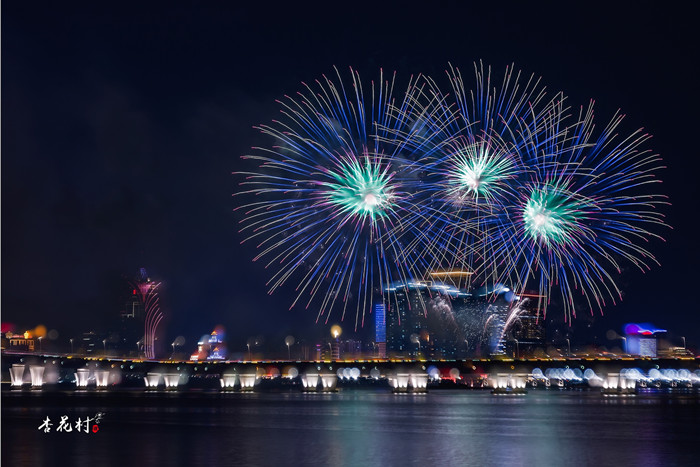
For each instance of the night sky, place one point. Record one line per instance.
(123, 122)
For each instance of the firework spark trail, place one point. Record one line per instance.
(581, 211)
(468, 161)
(331, 197)
(504, 181)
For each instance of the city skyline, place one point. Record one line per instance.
(106, 169)
(419, 319)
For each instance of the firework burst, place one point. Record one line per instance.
(469, 161)
(581, 212)
(504, 181)
(329, 199)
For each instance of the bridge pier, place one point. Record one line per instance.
(17, 375)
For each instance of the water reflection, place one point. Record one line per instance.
(361, 427)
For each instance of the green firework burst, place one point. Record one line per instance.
(361, 189)
(555, 215)
(479, 171)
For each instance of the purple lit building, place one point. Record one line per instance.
(641, 339)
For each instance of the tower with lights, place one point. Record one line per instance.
(141, 315)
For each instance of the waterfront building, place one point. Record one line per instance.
(212, 347)
(140, 317)
(526, 332)
(406, 317)
(351, 349)
(420, 320)
(380, 330)
(335, 350)
(19, 342)
(90, 342)
(131, 325)
(483, 317)
(642, 339)
(441, 321)
(305, 350)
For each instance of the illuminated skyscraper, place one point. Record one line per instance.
(380, 329)
(420, 320)
(132, 321)
(212, 347)
(90, 343)
(482, 316)
(439, 320)
(641, 339)
(142, 315)
(525, 330)
(406, 317)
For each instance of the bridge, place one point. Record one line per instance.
(25, 370)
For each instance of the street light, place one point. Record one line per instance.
(104, 345)
(289, 340)
(40, 338)
(683, 342)
(624, 339)
(517, 348)
(173, 355)
(568, 344)
(71, 345)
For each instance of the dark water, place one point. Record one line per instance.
(355, 428)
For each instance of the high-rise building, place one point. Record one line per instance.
(335, 350)
(351, 349)
(140, 317)
(406, 318)
(132, 323)
(326, 351)
(480, 316)
(306, 351)
(438, 320)
(90, 342)
(380, 330)
(212, 347)
(525, 327)
(419, 320)
(641, 339)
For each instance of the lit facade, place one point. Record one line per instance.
(526, 332)
(406, 317)
(90, 342)
(132, 325)
(420, 320)
(211, 348)
(380, 329)
(20, 342)
(143, 307)
(641, 339)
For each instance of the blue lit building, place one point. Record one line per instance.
(212, 347)
(380, 329)
(641, 339)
